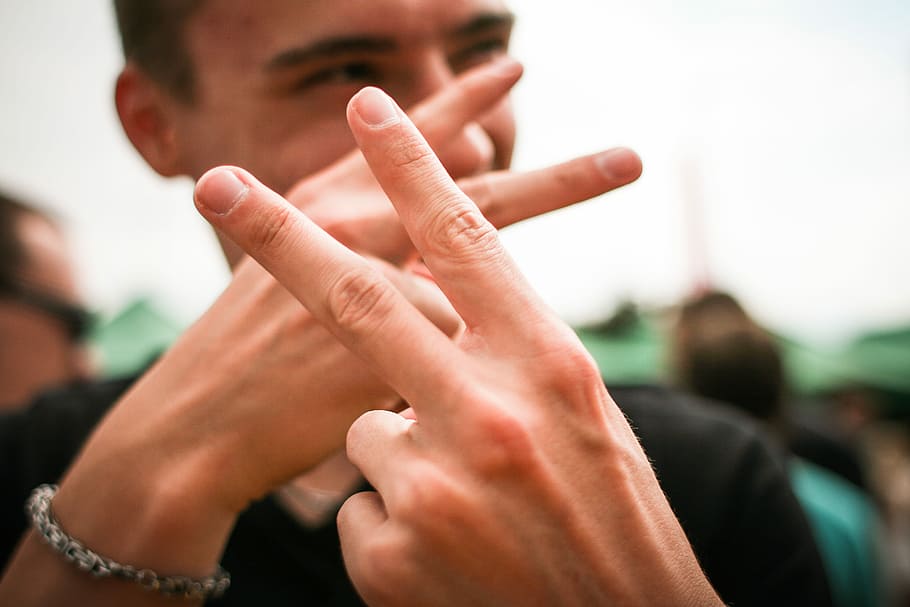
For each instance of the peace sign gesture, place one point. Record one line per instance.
(518, 480)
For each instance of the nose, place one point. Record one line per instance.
(473, 150)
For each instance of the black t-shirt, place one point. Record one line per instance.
(726, 486)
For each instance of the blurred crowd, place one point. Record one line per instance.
(847, 454)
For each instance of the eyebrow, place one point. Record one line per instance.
(484, 22)
(376, 44)
(328, 48)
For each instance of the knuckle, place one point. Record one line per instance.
(573, 379)
(572, 368)
(482, 192)
(462, 233)
(359, 298)
(428, 497)
(269, 230)
(509, 443)
(443, 519)
(383, 568)
(409, 152)
(435, 506)
(568, 176)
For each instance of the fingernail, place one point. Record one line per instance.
(220, 190)
(506, 67)
(376, 108)
(619, 164)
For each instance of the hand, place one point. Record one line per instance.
(253, 394)
(278, 352)
(345, 200)
(518, 481)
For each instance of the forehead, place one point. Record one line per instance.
(245, 33)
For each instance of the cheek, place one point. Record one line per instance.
(279, 143)
(291, 154)
(499, 124)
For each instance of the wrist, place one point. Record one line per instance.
(143, 505)
(98, 566)
(149, 527)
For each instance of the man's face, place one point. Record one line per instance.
(273, 77)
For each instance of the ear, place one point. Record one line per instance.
(145, 113)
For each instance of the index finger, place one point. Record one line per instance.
(459, 246)
(445, 114)
(442, 117)
(352, 297)
(505, 197)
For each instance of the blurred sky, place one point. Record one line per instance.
(775, 131)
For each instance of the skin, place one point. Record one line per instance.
(513, 443)
(286, 113)
(36, 351)
(270, 101)
(241, 414)
(261, 416)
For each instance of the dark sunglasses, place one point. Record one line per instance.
(77, 320)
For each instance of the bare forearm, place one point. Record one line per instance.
(134, 499)
(168, 545)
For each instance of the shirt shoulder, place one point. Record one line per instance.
(728, 486)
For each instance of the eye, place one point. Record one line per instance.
(479, 52)
(359, 73)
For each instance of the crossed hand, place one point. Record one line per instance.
(514, 479)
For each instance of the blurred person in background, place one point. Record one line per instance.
(42, 321)
(719, 352)
(829, 433)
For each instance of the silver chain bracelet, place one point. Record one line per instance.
(38, 508)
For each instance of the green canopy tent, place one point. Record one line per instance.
(128, 341)
(631, 347)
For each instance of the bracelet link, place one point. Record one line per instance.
(148, 579)
(38, 508)
(84, 560)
